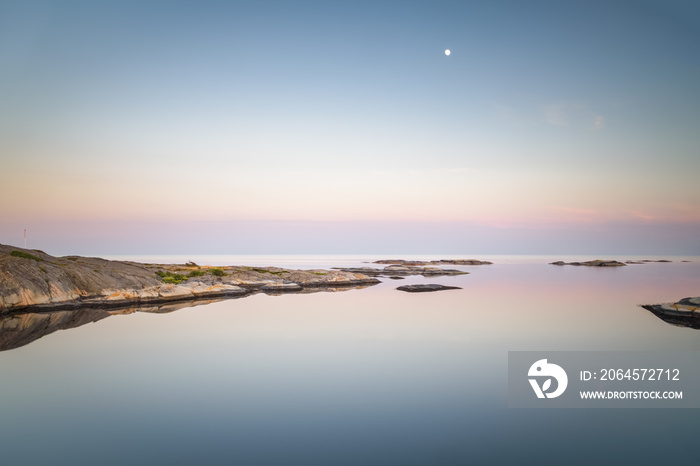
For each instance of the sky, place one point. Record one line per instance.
(343, 127)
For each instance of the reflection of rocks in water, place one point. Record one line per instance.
(684, 313)
(18, 330)
(21, 329)
(165, 308)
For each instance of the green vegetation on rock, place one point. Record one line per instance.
(25, 255)
(273, 272)
(217, 272)
(173, 278)
(197, 273)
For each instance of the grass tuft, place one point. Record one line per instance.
(217, 272)
(172, 278)
(25, 255)
(273, 272)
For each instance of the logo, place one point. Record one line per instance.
(543, 369)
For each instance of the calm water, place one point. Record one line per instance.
(372, 376)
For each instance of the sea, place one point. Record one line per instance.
(371, 376)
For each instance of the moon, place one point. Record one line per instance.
(447, 51)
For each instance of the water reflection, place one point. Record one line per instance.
(17, 330)
(369, 377)
(20, 329)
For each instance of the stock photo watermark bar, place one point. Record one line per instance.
(604, 379)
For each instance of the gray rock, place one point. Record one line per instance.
(436, 262)
(684, 313)
(595, 263)
(395, 270)
(423, 288)
(32, 279)
(284, 287)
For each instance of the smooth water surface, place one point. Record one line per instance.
(370, 376)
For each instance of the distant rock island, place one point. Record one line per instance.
(394, 271)
(595, 263)
(438, 262)
(610, 263)
(36, 280)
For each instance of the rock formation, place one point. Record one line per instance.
(438, 262)
(423, 288)
(684, 313)
(399, 270)
(36, 280)
(595, 263)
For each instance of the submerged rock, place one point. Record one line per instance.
(423, 288)
(595, 263)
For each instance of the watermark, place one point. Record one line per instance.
(603, 379)
(550, 372)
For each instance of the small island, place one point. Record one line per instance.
(402, 270)
(437, 262)
(594, 263)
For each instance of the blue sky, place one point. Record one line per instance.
(180, 116)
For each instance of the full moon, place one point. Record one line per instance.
(447, 52)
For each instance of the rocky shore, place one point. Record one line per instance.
(684, 313)
(32, 279)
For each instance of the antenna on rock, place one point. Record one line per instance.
(25, 238)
